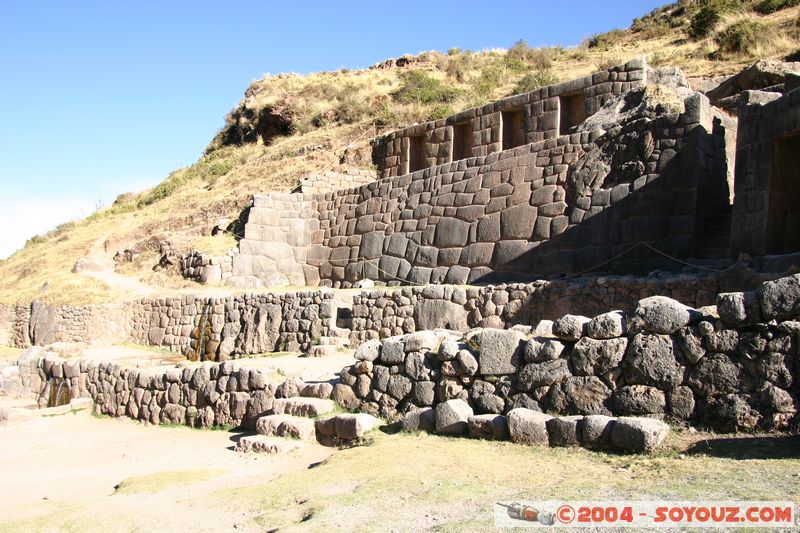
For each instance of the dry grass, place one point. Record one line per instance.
(333, 110)
(411, 483)
(160, 481)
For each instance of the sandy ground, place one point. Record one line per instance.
(59, 464)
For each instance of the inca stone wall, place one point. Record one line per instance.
(381, 313)
(205, 395)
(207, 269)
(334, 181)
(732, 373)
(321, 320)
(275, 246)
(481, 131)
(555, 207)
(765, 213)
(221, 328)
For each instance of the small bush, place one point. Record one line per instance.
(419, 87)
(491, 77)
(441, 111)
(765, 7)
(535, 80)
(742, 36)
(707, 18)
(606, 40)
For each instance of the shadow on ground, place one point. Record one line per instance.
(743, 448)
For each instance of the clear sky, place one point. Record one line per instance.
(98, 98)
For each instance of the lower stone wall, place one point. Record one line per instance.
(203, 395)
(738, 372)
(221, 328)
(207, 269)
(381, 313)
(317, 320)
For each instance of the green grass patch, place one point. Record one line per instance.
(422, 88)
(161, 481)
(765, 7)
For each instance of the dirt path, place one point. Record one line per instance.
(52, 467)
(102, 268)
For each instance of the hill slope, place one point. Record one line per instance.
(288, 125)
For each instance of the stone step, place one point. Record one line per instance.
(265, 444)
(302, 406)
(286, 426)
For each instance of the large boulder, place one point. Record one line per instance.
(489, 427)
(368, 351)
(500, 351)
(596, 431)
(452, 416)
(581, 395)
(421, 419)
(715, 374)
(535, 375)
(762, 74)
(607, 326)
(526, 426)
(540, 349)
(661, 315)
(638, 434)
(738, 309)
(730, 413)
(780, 299)
(434, 314)
(651, 360)
(565, 430)
(639, 400)
(594, 357)
(570, 327)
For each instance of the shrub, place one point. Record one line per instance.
(419, 87)
(741, 36)
(606, 40)
(765, 7)
(441, 111)
(535, 80)
(704, 21)
(490, 78)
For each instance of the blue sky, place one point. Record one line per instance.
(98, 98)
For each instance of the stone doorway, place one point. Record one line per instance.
(571, 111)
(783, 218)
(462, 141)
(417, 159)
(513, 128)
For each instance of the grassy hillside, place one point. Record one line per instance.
(325, 120)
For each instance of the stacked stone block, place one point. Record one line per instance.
(391, 153)
(277, 235)
(738, 372)
(333, 181)
(558, 206)
(764, 119)
(207, 269)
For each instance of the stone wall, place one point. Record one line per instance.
(203, 395)
(765, 219)
(222, 328)
(555, 207)
(381, 312)
(481, 131)
(321, 320)
(276, 240)
(207, 269)
(334, 181)
(736, 372)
